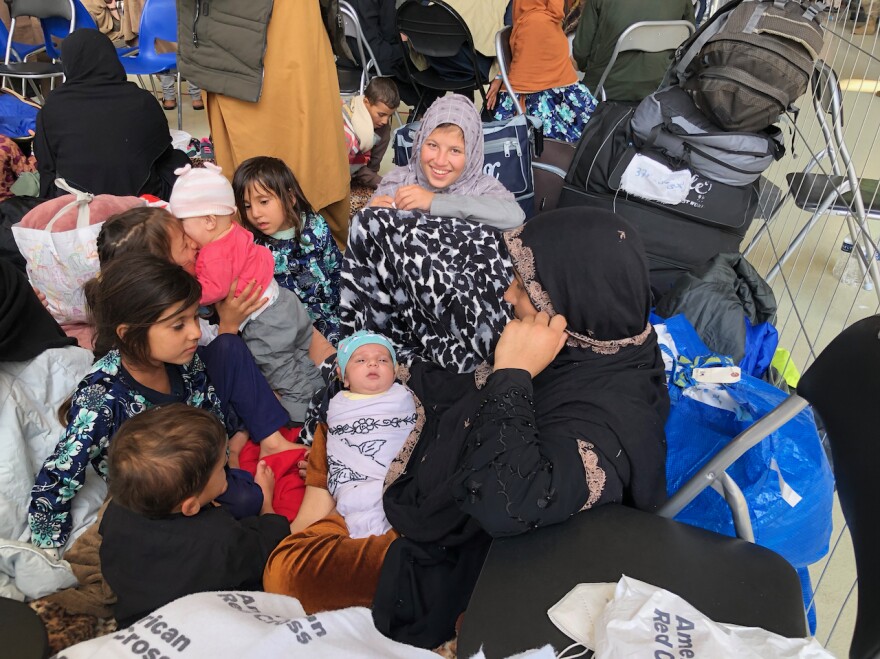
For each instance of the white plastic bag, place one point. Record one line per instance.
(59, 263)
(645, 621)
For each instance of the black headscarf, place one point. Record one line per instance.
(606, 386)
(26, 327)
(98, 131)
(608, 383)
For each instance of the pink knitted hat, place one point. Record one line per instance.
(202, 191)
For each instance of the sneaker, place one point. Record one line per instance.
(194, 149)
(206, 149)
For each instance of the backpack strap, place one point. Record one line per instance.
(691, 48)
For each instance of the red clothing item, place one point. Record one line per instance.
(289, 487)
(234, 256)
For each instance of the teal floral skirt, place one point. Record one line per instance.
(564, 111)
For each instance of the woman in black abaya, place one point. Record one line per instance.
(572, 417)
(102, 134)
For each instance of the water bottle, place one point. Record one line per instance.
(848, 267)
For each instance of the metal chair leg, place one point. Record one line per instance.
(817, 215)
(179, 105)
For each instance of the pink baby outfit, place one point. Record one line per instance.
(235, 255)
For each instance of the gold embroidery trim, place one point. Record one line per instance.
(401, 460)
(594, 473)
(481, 374)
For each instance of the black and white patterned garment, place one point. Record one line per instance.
(432, 285)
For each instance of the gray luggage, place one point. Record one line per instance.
(669, 121)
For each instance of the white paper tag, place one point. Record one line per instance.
(718, 374)
(648, 179)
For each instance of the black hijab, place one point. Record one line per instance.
(26, 327)
(98, 131)
(608, 382)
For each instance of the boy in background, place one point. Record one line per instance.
(367, 123)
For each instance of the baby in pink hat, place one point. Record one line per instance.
(279, 333)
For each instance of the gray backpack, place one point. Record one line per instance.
(751, 61)
(669, 121)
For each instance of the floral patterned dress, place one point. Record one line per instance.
(564, 111)
(104, 399)
(310, 268)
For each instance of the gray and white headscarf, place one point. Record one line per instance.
(451, 109)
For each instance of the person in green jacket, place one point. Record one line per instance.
(636, 74)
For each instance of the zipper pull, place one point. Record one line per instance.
(507, 149)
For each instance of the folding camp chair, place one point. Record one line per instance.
(435, 29)
(839, 192)
(648, 37)
(729, 579)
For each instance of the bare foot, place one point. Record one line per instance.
(275, 443)
(265, 478)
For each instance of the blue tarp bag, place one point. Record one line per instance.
(18, 117)
(786, 479)
(507, 154)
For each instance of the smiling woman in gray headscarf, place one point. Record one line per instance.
(445, 174)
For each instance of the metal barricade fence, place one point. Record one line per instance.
(828, 280)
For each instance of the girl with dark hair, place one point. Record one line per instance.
(230, 364)
(145, 311)
(273, 207)
(155, 231)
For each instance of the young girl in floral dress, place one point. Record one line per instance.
(307, 260)
(145, 311)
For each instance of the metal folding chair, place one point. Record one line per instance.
(435, 29)
(838, 191)
(354, 76)
(728, 579)
(504, 56)
(31, 71)
(648, 37)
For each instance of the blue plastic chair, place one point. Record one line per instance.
(158, 21)
(57, 29)
(19, 50)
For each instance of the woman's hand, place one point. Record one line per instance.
(413, 197)
(531, 344)
(492, 93)
(382, 201)
(235, 309)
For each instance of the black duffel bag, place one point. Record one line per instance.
(714, 218)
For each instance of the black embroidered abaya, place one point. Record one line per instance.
(520, 453)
